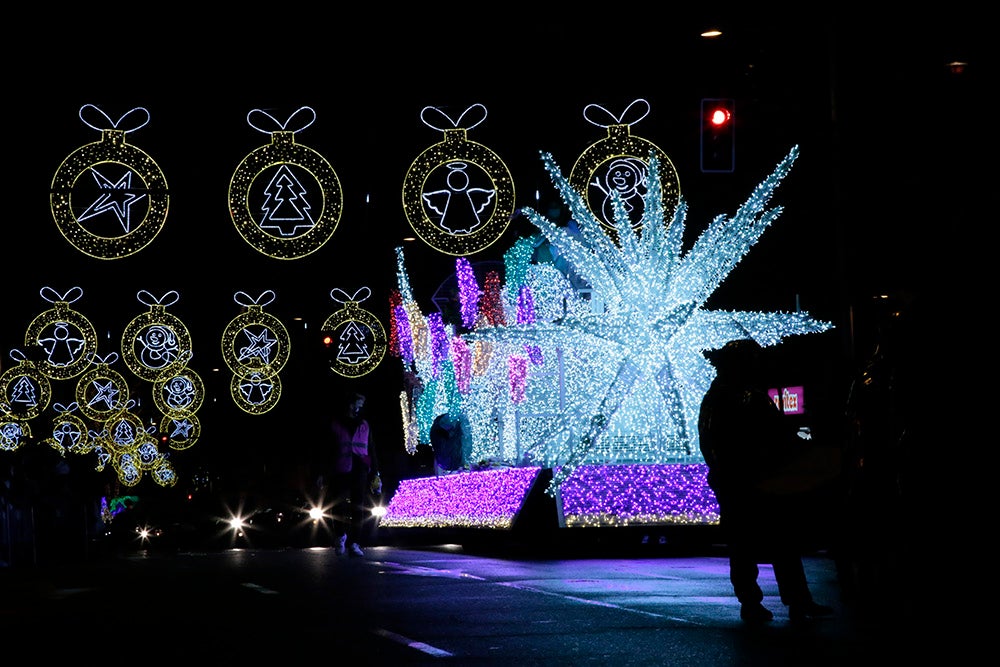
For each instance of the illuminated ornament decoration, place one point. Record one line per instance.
(458, 195)
(124, 432)
(69, 432)
(164, 474)
(618, 166)
(127, 467)
(179, 393)
(66, 338)
(256, 347)
(622, 383)
(102, 392)
(359, 336)
(183, 429)
(13, 434)
(26, 392)
(156, 343)
(284, 198)
(109, 199)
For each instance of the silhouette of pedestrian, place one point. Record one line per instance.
(746, 441)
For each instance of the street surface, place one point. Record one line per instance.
(429, 605)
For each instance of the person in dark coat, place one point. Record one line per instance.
(746, 440)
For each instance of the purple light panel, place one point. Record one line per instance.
(615, 495)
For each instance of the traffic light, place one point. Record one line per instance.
(326, 345)
(718, 136)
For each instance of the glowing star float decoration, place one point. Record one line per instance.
(356, 335)
(284, 198)
(618, 166)
(623, 383)
(156, 343)
(256, 347)
(458, 195)
(66, 338)
(109, 199)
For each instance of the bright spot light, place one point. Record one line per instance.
(378, 511)
(315, 513)
(720, 116)
(237, 523)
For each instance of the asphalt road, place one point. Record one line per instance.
(432, 605)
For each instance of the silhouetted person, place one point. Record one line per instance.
(348, 468)
(746, 441)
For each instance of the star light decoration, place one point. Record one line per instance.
(109, 199)
(548, 378)
(255, 347)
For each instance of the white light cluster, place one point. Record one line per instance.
(619, 383)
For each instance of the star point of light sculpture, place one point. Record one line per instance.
(622, 383)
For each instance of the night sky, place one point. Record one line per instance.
(881, 122)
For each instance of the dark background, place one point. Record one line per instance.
(890, 139)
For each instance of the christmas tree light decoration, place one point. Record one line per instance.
(615, 169)
(458, 195)
(118, 189)
(622, 384)
(26, 391)
(102, 392)
(255, 347)
(361, 341)
(156, 343)
(66, 338)
(124, 432)
(285, 198)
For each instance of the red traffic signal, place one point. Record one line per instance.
(718, 135)
(718, 116)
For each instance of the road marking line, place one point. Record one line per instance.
(420, 646)
(259, 589)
